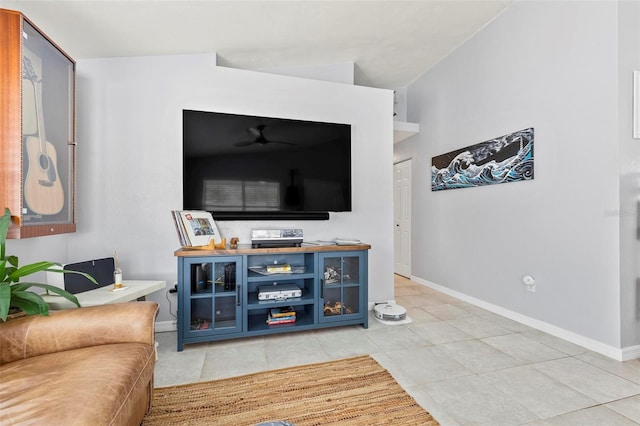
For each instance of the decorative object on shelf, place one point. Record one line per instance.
(197, 229)
(331, 275)
(636, 104)
(336, 308)
(117, 272)
(505, 159)
(233, 244)
(14, 295)
(37, 123)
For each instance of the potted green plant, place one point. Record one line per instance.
(15, 294)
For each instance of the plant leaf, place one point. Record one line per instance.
(69, 271)
(32, 268)
(5, 299)
(30, 302)
(22, 287)
(57, 290)
(19, 286)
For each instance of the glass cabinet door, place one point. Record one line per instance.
(342, 286)
(47, 130)
(211, 296)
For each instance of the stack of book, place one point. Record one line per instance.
(278, 316)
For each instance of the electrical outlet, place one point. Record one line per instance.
(530, 282)
(174, 289)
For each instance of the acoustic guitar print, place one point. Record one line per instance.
(43, 192)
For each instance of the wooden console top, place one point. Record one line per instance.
(247, 249)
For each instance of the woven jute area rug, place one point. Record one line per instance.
(354, 391)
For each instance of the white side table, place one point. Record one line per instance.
(133, 290)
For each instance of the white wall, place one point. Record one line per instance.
(628, 61)
(551, 66)
(129, 163)
(343, 72)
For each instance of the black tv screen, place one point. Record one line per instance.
(242, 167)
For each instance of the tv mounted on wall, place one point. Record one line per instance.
(242, 167)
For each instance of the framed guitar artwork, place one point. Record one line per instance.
(43, 191)
(37, 124)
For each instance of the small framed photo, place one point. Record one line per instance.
(200, 228)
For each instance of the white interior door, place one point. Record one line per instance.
(402, 218)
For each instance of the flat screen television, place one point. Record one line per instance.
(241, 167)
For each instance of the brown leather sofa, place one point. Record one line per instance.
(87, 366)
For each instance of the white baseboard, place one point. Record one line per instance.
(631, 352)
(618, 354)
(164, 326)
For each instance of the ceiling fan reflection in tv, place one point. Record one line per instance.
(259, 137)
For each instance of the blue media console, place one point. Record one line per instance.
(233, 293)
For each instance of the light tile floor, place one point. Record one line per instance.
(464, 365)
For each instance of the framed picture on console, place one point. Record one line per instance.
(198, 227)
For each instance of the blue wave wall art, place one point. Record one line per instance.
(508, 158)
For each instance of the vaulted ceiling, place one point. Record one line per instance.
(390, 42)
